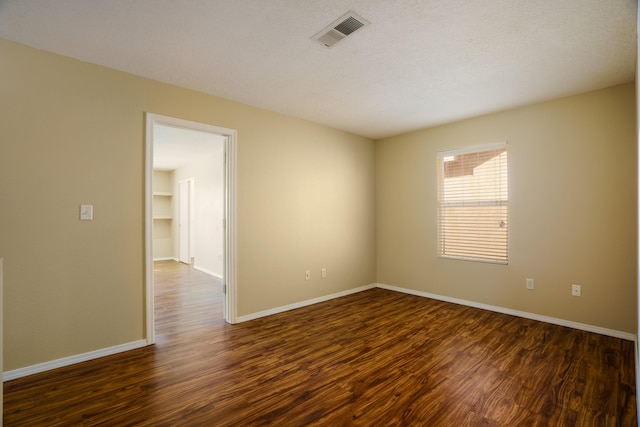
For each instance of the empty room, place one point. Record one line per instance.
(425, 213)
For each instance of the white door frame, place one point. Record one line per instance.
(1, 340)
(185, 224)
(229, 245)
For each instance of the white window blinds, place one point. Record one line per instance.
(473, 204)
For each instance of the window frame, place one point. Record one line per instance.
(441, 205)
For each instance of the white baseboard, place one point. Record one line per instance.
(166, 259)
(301, 304)
(66, 361)
(209, 272)
(518, 313)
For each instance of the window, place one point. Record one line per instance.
(473, 204)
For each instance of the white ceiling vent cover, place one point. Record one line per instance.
(340, 28)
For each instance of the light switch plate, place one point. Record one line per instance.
(86, 212)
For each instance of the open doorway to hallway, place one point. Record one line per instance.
(188, 197)
(190, 187)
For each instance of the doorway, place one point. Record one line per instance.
(223, 221)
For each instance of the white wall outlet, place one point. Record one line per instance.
(576, 290)
(323, 272)
(529, 284)
(307, 275)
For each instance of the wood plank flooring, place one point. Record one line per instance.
(376, 358)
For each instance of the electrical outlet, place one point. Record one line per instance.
(576, 290)
(307, 275)
(323, 272)
(529, 284)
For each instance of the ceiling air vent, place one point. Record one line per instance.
(340, 28)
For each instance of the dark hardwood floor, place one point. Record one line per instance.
(376, 358)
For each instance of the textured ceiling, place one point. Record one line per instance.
(177, 147)
(419, 63)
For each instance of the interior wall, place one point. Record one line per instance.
(73, 133)
(208, 206)
(572, 210)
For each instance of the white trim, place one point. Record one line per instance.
(209, 272)
(230, 268)
(636, 354)
(472, 259)
(166, 259)
(305, 303)
(66, 361)
(518, 313)
(229, 209)
(474, 149)
(148, 231)
(188, 221)
(1, 337)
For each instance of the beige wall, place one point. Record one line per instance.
(309, 197)
(572, 184)
(72, 133)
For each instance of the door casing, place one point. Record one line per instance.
(229, 221)
(185, 225)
